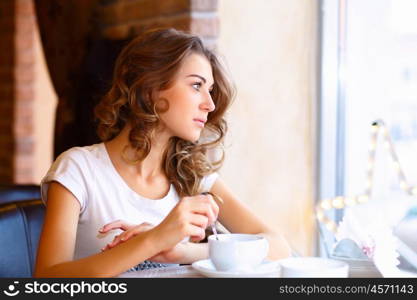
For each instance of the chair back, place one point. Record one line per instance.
(20, 227)
(18, 192)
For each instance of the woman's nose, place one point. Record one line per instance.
(208, 103)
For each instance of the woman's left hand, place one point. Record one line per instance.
(172, 255)
(130, 230)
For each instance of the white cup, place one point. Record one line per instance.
(313, 267)
(237, 252)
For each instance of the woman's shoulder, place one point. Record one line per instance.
(75, 170)
(78, 159)
(80, 154)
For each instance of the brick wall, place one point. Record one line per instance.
(17, 22)
(123, 19)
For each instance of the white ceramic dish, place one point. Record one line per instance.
(265, 269)
(313, 267)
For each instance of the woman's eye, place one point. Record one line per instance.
(197, 85)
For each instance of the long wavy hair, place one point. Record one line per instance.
(148, 64)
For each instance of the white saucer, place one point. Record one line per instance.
(266, 269)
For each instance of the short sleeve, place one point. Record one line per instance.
(70, 170)
(208, 181)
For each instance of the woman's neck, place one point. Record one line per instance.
(148, 169)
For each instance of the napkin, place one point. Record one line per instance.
(360, 265)
(347, 248)
(366, 234)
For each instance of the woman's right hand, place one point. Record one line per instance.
(189, 218)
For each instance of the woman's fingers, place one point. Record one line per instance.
(199, 220)
(213, 199)
(129, 233)
(181, 223)
(201, 204)
(196, 233)
(118, 224)
(205, 208)
(135, 231)
(214, 206)
(196, 222)
(115, 241)
(202, 222)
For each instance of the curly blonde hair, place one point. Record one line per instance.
(149, 64)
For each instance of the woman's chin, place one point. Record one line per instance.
(190, 137)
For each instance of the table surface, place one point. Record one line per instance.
(189, 272)
(167, 272)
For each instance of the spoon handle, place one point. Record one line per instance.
(213, 226)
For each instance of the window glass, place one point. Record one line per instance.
(371, 57)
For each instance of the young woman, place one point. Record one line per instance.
(162, 114)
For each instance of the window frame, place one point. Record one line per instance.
(331, 146)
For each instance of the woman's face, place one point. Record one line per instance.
(189, 99)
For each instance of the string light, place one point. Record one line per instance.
(326, 204)
(340, 202)
(350, 201)
(320, 215)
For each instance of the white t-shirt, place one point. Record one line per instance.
(88, 173)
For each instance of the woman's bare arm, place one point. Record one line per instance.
(57, 242)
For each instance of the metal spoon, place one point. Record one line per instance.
(213, 226)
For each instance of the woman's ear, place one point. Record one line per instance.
(161, 105)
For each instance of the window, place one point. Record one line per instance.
(369, 72)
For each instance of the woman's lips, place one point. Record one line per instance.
(200, 123)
